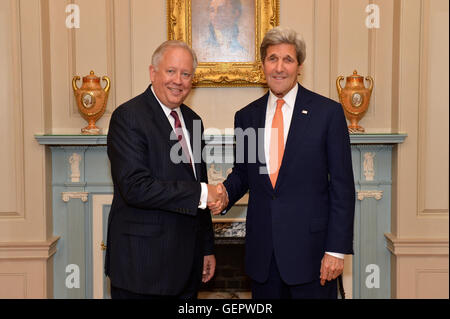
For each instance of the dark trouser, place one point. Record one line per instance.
(190, 291)
(275, 288)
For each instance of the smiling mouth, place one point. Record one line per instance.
(175, 91)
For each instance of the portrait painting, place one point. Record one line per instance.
(226, 36)
(223, 30)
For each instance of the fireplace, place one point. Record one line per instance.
(82, 194)
(230, 280)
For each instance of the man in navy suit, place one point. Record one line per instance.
(300, 178)
(160, 238)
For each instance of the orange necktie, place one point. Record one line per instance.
(276, 143)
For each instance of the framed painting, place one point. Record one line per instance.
(226, 36)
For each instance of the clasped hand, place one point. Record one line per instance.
(217, 198)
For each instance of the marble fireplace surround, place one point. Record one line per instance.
(82, 195)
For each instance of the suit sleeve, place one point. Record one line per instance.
(237, 181)
(208, 232)
(341, 185)
(128, 152)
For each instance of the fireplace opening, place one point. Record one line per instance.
(230, 280)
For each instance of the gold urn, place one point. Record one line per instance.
(91, 100)
(354, 98)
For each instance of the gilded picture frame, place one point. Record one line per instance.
(184, 16)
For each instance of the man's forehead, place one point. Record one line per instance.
(170, 54)
(171, 49)
(281, 48)
(280, 53)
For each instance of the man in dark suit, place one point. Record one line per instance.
(160, 237)
(301, 204)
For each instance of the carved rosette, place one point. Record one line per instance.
(66, 196)
(370, 194)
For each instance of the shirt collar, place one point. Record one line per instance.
(289, 98)
(166, 109)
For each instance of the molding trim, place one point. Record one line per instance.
(210, 139)
(66, 196)
(433, 213)
(424, 109)
(98, 201)
(374, 138)
(28, 249)
(16, 117)
(417, 246)
(369, 194)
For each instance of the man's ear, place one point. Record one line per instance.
(299, 68)
(151, 71)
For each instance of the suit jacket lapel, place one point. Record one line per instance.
(163, 125)
(260, 117)
(188, 121)
(161, 121)
(299, 124)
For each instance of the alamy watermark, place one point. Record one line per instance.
(373, 279)
(373, 19)
(73, 277)
(73, 19)
(249, 146)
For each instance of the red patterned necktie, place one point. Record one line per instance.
(180, 135)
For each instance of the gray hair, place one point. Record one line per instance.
(280, 35)
(159, 52)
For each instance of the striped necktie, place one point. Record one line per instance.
(180, 135)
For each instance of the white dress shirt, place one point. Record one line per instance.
(287, 109)
(167, 111)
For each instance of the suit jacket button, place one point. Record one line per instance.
(274, 197)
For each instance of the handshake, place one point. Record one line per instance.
(217, 198)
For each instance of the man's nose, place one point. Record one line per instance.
(177, 78)
(279, 66)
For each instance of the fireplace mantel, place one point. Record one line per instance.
(78, 139)
(82, 194)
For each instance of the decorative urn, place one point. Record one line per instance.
(354, 98)
(91, 100)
